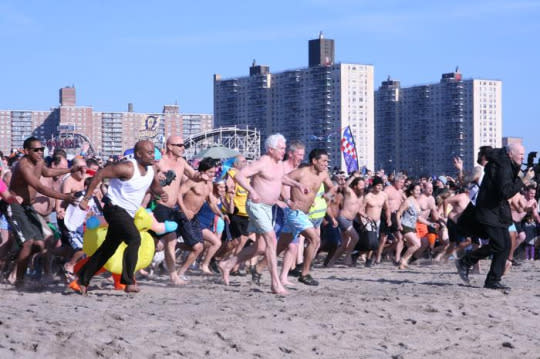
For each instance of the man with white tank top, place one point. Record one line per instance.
(130, 180)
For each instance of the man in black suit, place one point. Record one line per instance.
(500, 183)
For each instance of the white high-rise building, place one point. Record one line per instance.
(313, 104)
(420, 129)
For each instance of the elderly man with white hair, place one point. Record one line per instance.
(502, 180)
(267, 175)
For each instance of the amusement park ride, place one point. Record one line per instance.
(244, 140)
(70, 141)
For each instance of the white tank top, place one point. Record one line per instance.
(130, 193)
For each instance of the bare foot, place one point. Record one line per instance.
(279, 290)
(131, 288)
(206, 270)
(225, 269)
(176, 281)
(12, 277)
(403, 265)
(82, 289)
(286, 283)
(144, 273)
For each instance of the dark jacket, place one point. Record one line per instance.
(500, 183)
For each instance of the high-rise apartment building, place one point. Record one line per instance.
(110, 133)
(194, 124)
(313, 104)
(420, 129)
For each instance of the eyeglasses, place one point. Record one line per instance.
(38, 149)
(177, 144)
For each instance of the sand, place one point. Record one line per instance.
(360, 312)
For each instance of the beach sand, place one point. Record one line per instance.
(360, 312)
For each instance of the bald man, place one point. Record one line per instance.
(174, 167)
(501, 182)
(129, 182)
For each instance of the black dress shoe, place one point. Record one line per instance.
(369, 262)
(515, 263)
(496, 285)
(462, 270)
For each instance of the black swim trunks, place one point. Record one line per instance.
(239, 226)
(26, 220)
(393, 228)
(163, 213)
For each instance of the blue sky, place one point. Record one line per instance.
(162, 52)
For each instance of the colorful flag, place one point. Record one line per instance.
(348, 148)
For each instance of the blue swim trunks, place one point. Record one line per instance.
(296, 222)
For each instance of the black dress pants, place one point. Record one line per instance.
(121, 228)
(499, 246)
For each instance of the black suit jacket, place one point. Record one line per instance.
(500, 183)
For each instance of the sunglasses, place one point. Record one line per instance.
(38, 149)
(177, 144)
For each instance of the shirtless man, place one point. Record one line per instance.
(374, 203)
(45, 207)
(330, 233)
(459, 203)
(25, 184)
(521, 205)
(267, 177)
(395, 199)
(191, 198)
(172, 166)
(296, 215)
(294, 157)
(353, 196)
(72, 184)
(428, 209)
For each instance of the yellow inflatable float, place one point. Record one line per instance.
(96, 231)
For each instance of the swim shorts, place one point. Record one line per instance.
(393, 227)
(27, 220)
(239, 225)
(296, 222)
(260, 217)
(344, 224)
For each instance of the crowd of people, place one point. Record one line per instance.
(238, 221)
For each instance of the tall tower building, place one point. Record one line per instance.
(321, 51)
(420, 129)
(312, 104)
